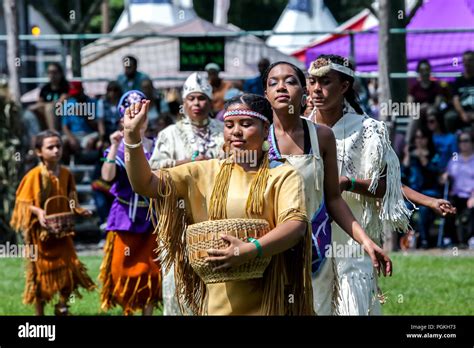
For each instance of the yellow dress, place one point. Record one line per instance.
(283, 201)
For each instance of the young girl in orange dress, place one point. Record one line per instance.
(57, 269)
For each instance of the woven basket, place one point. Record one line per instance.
(59, 225)
(207, 235)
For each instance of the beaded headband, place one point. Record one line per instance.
(323, 70)
(129, 98)
(244, 112)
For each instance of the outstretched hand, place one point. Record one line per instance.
(379, 259)
(134, 119)
(443, 207)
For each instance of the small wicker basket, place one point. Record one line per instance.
(207, 235)
(59, 225)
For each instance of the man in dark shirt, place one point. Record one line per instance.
(131, 78)
(463, 91)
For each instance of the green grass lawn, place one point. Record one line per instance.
(421, 285)
(430, 285)
(11, 291)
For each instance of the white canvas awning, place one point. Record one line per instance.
(159, 56)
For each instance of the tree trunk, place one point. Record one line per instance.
(76, 58)
(397, 56)
(383, 56)
(105, 17)
(13, 54)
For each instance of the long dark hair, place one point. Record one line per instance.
(63, 82)
(254, 102)
(432, 111)
(426, 133)
(351, 95)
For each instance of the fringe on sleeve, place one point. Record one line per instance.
(22, 215)
(169, 221)
(287, 281)
(28, 194)
(378, 157)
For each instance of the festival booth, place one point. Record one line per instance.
(443, 49)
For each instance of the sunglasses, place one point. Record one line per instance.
(464, 140)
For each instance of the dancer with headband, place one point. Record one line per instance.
(369, 175)
(231, 189)
(311, 150)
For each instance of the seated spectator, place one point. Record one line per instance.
(219, 87)
(463, 97)
(131, 78)
(425, 90)
(79, 129)
(107, 114)
(461, 175)
(420, 171)
(55, 90)
(254, 85)
(445, 143)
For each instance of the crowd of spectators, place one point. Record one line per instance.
(436, 150)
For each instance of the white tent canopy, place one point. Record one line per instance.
(159, 56)
(161, 12)
(301, 16)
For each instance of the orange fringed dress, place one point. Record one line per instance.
(57, 268)
(130, 272)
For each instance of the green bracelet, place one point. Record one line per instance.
(195, 154)
(107, 160)
(257, 244)
(353, 184)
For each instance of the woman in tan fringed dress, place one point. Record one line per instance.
(225, 189)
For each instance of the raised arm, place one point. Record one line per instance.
(142, 179)
(109, 169)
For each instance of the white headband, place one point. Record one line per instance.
(246, 113)
(323, 70)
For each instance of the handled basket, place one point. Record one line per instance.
(59, 225)
(207, 235)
